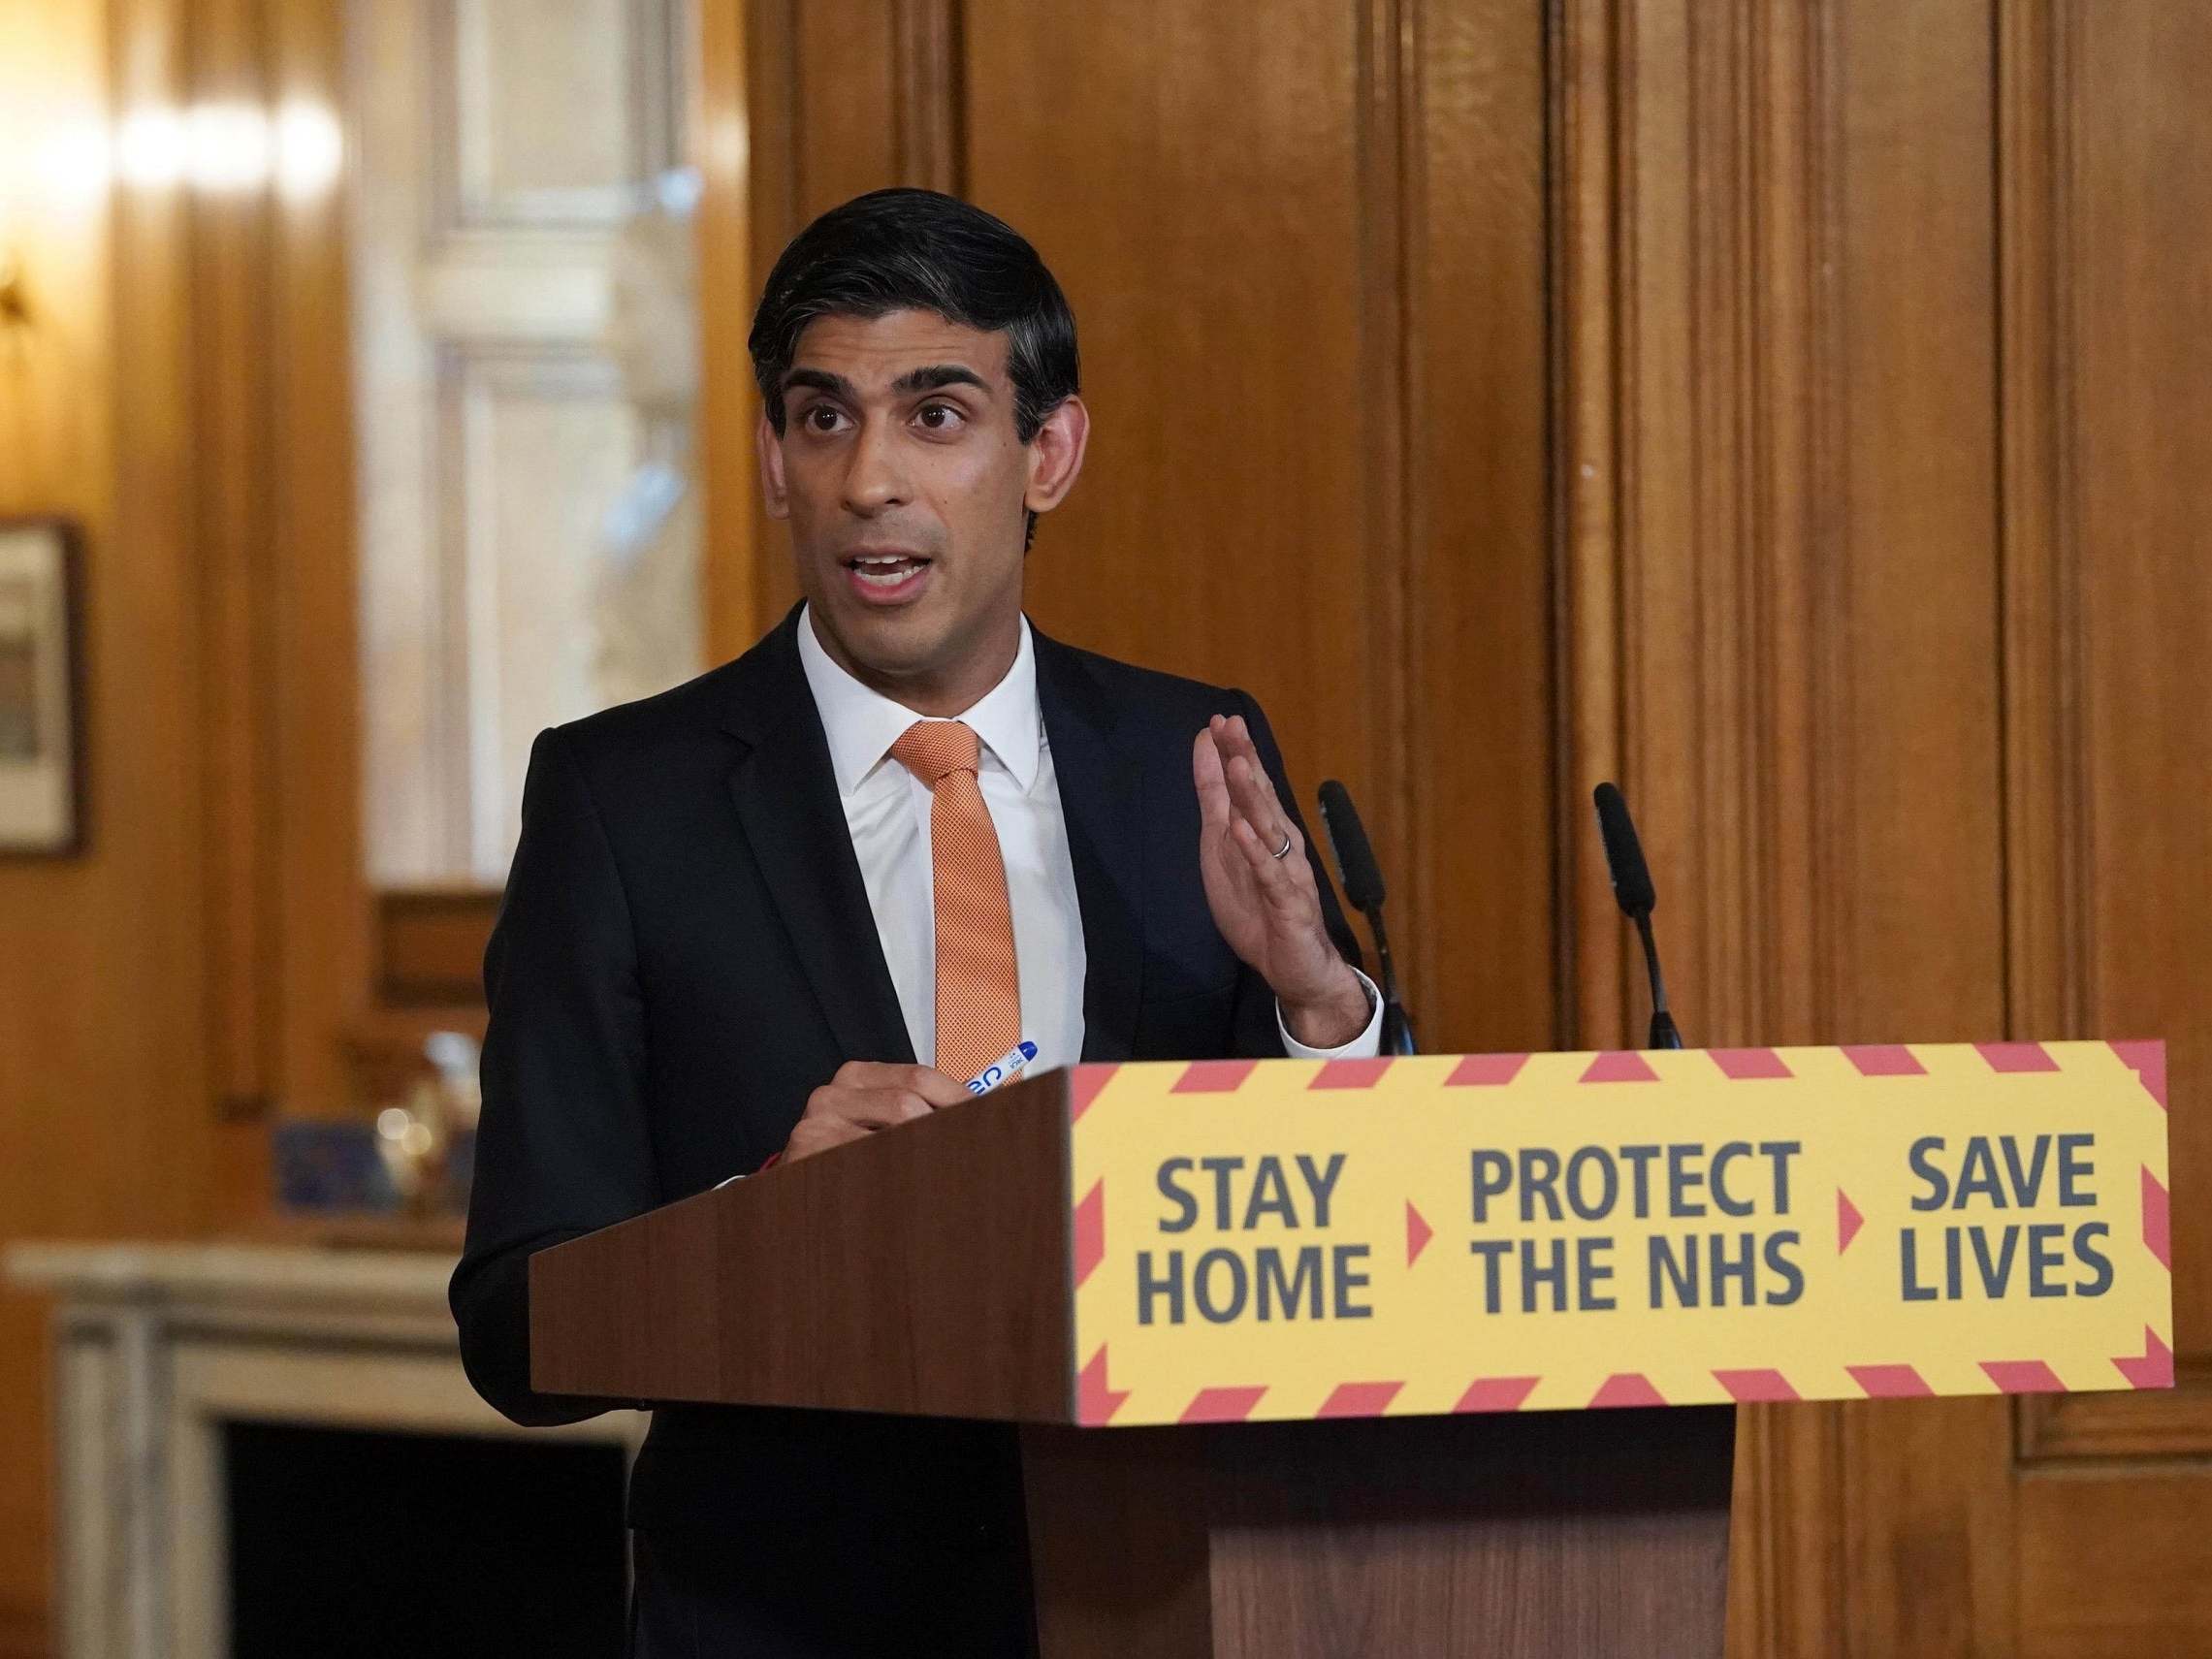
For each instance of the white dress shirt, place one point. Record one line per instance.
(887, 809)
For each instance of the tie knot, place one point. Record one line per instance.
(934, 750)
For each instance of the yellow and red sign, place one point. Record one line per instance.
(1497, 1233)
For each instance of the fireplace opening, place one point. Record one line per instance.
(348, 1543)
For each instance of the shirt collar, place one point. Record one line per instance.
(861, 724)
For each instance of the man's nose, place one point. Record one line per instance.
(876, 479)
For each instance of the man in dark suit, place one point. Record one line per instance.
(790, 903)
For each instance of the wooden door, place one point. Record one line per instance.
(501, 147)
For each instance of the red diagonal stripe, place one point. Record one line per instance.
(1090, 1231)
(1221, 1405)
(1627, 1389)
(1753, 1388)
(1094, 1402)
(1749, 1065)
(1623, 1065)
(2148, 1062)
(1497, 1393)
(2016, 1056)
(1486, 1071)
(1351, 1073)
(1359, 1399)
(2153, 1368)
(2156, 1229)
(2023, 1376)
(1890, 1382)
(1083, 1086)
(1884, 1060)
(1213, 1076)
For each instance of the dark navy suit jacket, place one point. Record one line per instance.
(685, 952)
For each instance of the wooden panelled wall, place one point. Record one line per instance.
(1306, 246)
(105, 1128)
(180, 390)
(1789, 408)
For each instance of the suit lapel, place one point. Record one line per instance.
(786, 800)
(1102, 798)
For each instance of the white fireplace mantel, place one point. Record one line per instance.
(158, 1346)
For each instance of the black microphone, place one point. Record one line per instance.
(1362, 879)
(1632, 887)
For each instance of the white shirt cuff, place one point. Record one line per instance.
(1365, 1047)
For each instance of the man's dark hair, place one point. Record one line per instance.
(904, 249)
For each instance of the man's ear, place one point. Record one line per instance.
(770, 448)
(1056, 455)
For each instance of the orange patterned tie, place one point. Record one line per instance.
(978, 993)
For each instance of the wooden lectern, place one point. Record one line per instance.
(931, 1269)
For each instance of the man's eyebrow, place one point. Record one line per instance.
(820, 380)
(931, 377)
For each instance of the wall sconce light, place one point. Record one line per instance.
(53, 175)
(14, 305)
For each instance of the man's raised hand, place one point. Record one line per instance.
(1260, 885)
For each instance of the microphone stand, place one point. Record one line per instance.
(1637, 898)
(1398, 1027)
(1663, 1034)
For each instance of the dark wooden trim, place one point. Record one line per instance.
(321, 891)
(926, 80)
(2145, 1424)
(25, 1631)
(727, 129)
(430, 946)
(231, 272)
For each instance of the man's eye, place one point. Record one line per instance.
(821, 418)
(939, 417)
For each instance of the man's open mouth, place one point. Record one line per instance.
(886, 574)
(884, 569)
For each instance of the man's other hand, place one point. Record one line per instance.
(864, 1097)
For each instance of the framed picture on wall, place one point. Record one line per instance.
(41, 724)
